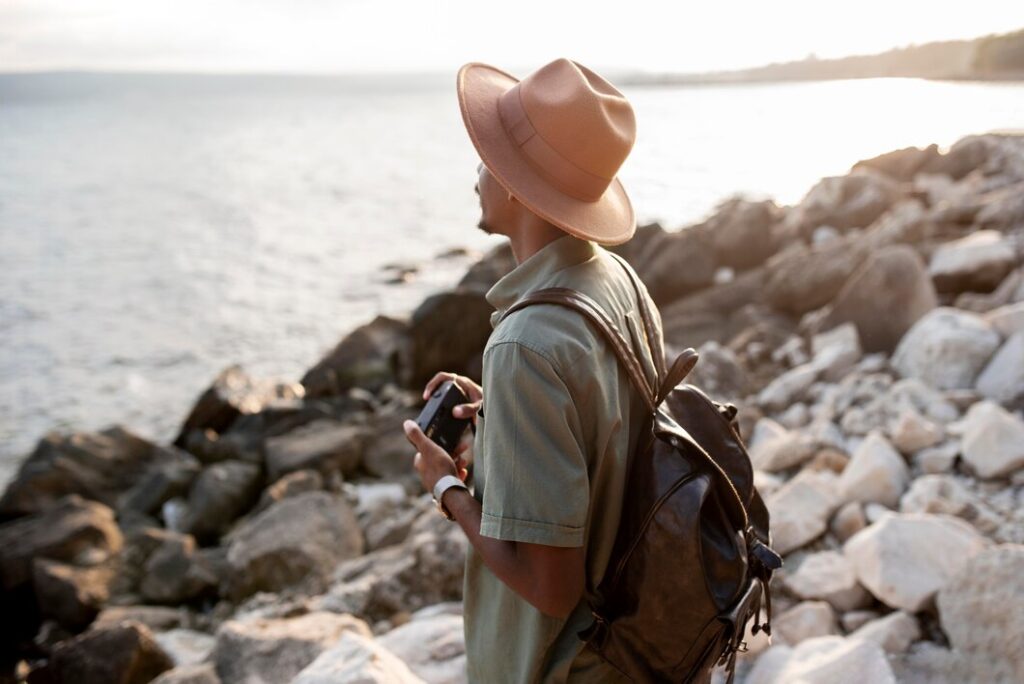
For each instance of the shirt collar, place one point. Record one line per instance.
(533, 273)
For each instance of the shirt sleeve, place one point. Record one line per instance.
(537, 487)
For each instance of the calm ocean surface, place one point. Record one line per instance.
(155, 229)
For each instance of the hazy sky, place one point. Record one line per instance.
(426, 35)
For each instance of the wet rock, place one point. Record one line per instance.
(993, 440)
(95, 465)
(357, 659)
(292, 484)
(232, 394)
(271, 651)
(431, 644)
(71, 595)
(895, 275)
(828, 576)
(800, 509)
(978, 262)
(1002, 379)
(876, 473)
(186, 646)
(824, 660)
(175, 572)
(169, 475)
(324, 445)
(371, 356)
(894, 632)
(221, 493)
(448, 332)
(975, 606)
(300, 539)
(123, 654)
(904, 559)
(72, 530)
(947, 348)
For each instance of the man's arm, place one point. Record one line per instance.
(550, 578)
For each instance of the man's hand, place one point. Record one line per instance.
(473, 392)
(431, 461)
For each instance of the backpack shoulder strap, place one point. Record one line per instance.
(653, 339)
(593, 312)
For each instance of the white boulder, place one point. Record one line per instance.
(946, 348)
(993, 440)
(876, 473)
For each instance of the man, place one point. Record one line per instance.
(557, 415)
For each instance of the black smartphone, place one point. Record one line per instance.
(437, 420)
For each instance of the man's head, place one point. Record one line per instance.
(556, 141)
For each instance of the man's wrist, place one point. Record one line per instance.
(442, 487)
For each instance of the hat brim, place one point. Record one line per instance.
(608, 221)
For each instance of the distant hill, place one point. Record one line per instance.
(993, 57)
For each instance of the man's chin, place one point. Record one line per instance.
(485, 228)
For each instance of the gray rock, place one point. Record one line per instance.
(895, 275)
(977, 262)
(122, 654)
(155, 618)
(1002, 379)
(99, 466)
(448, 332)
(875, 473)
(221, 493)
(204, 673)
(836, 351)
(274, 651)
(201, 673)
(300, 539)
(71, 595)
(937, 459)
(904, 559)
(679, 263)
(844, 202)
(828, 576)
(324, 445)
(993, 440)
(370, 357)
(292, 484)
(976, 606)
(824, 660)
(740, 232)
(169, 475)
(357, 659)
(894, 632)
(788, 387)
(806, 620)
(800, 509)
(802, 280)
(947, 349)
(387, 453)
(432, 645)
(72, 530)
(175, 572)
(186, 646)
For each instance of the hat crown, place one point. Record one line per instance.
(581, 115)
(578, 116)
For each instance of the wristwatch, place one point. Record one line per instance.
(442, 486)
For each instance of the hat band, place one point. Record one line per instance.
(545, 159)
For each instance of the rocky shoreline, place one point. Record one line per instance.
(872, 337)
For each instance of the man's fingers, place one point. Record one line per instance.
(466, 410)
(437, 380)
(415, 435)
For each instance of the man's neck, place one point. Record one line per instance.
(530, 239)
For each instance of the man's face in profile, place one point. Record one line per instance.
(492, 199)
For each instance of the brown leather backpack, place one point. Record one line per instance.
(692, 557)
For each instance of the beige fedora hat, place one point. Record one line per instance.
(555, 140)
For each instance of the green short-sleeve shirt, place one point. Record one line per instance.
(559, 419)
